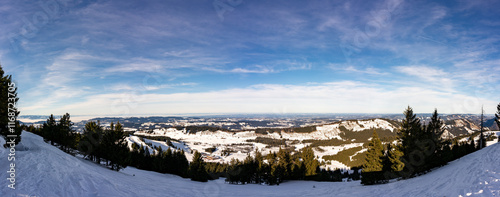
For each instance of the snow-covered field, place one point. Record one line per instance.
(225, 141)
(238, 141)
(44, 170)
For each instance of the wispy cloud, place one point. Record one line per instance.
(136, 66)
(270, 67)
(166, 86)
(429, 77)
(335, 97)
(424, 72)
(257, 69)
(357, 70)
(59, 81)
(109, 51)
(181, 53)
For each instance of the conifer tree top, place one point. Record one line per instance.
(1, 71)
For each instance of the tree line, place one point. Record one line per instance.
(273, 168)
(108, 146)
(96, 143)
(169, 161)
(418, 149)
(277, 167)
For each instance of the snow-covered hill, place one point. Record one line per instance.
(239, 144)
(334, 137)
(44, 170)
(458, 127)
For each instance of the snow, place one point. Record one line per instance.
(360, 125)
(330, 131)
(73, 118)
(238, 141)
(44, 170)
(223, 140)
(485, 133)
(138, 141)
(29, 120)
(334, 165)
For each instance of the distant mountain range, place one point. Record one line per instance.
(339, 140)
(256, 121)
(338, 144)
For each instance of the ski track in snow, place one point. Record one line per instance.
(44, 170)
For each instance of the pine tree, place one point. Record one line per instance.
(410, 135)
(248, 170)
(394, 164)
(298, 170)
(284, 160)
(373, 159)
(90, 144)
(482, 140)
(234, 171)
(497, 118)
(66, 136)
(259, 160)
(446, 155)
(49, 129)
(472, 145)
(277, 173)
(8, 109)
(310, 162)
(372, 169)
(434, 131)
(115, 147)
(181, 163)
(410, 129)
(197, 170)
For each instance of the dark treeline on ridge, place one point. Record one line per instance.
(108, 146)
(418, 149)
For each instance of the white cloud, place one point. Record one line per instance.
(252, 69)
(167, 42)
(168, 66)
(180, 53)
(331, 22)
(58, 84)
(430, 76)
(355, 69)
(434, 15)
(147, 66)
(165, 86)
(259, 69)
(119, 87)
(2, 52)
(85, 40)
(423, 72)
(271, 67)
(335, 97)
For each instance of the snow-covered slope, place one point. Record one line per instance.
(44, 170)
(352, 134)
(458, 127)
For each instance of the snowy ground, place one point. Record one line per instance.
(239, 141)
(44, 170)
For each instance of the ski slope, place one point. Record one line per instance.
(44, 170)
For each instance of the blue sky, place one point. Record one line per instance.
(239, 56)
